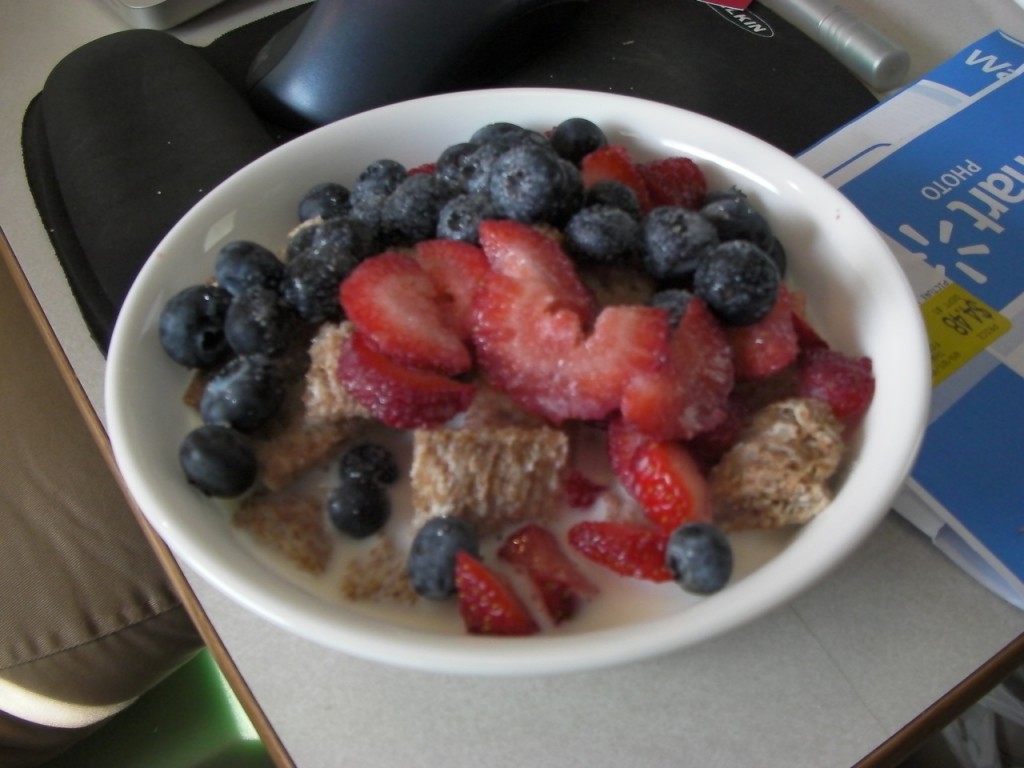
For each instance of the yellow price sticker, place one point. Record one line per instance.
(960, 326)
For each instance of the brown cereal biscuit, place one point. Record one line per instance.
(295, 526)
(378, 574)
(778, 471)
(491, 476)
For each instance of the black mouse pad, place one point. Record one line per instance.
(133, 129)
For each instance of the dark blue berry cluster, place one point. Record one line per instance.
(359, 505)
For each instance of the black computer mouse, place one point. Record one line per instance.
(346, 56)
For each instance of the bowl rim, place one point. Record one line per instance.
(546, 653)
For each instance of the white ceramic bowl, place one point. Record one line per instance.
(858, 297)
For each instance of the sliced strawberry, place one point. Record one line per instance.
(846, 383)
(532, 330)
(614, 162)
(628, 549)
(624, 440)
(687, 394)
(536, 260)
(456, 269)
(767, 346)
(487, 603)
(400, 396)
(427, 168)
(660, 474)
(581, 492)
(674, 181)
(561, 586)
(708, 447)
(394, 302)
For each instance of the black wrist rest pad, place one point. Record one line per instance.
(131, 130)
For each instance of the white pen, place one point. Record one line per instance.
(863, 49)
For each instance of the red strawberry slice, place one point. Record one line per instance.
(767, 346)
(708, 447)
(456, 269)
(629, 550)
(532, 330)
(660, 474)
(674, 181)
(581, 492)
(846, 383)
(400, 396)
(614, 162)
(487, 603)
(561, 586)
(687, 394)
(393, 301)
(624, 440)
(536, 260)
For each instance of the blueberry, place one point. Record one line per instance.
(530, 183)
(366, 212)
(460, 217)
(736, 219)
(674, 242)
(410, 212)
(674, 301)
(245, 393)
(476, 167)
(218, 461)
(258, 322)
(343, 240)
(369, 460)
(241, 264)
(431, 562)
(358, 506)
(326, 201)
(738, 281)
(614, 193)
(699, 557)
(506, 135)
(191, 326)
(577, 137)
(570, 194)
(454, 165)
(379, 176)
(601, 234)
(310, 287)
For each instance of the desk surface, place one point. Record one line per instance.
(857, 669)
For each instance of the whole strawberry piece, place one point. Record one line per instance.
(769, 345)
(561, 586)
(400, 396)
(674, 181)
(613, 162)
(687, 394)
(394, 302)
(660, 474)
(628, 549)
(487, 604)
(846, 383)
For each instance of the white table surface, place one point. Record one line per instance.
(820, 682)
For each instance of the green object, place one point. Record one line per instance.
(190, 720)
